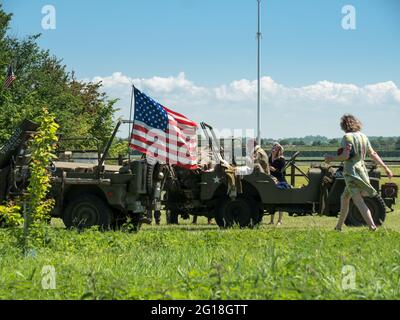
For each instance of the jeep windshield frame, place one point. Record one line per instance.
(213, 142)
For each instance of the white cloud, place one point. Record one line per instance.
(287, 111)
(380, 93)
(325, 91)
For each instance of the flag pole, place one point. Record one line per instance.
(130, 123)
(259, 35)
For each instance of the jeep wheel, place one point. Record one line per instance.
(86, 211)
(378, 211)
(241, 211)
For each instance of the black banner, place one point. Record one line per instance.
(198, 309)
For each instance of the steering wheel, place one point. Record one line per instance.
(291, 161)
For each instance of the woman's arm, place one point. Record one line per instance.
(345, 155)
(378, 160)
(277, 165)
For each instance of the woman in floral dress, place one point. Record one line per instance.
(355, 148)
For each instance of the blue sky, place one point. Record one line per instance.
(213, 43)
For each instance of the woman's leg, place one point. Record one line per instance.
(272, 218)
(157, 217)
(344, 210)
(280, 217)
(364, 210)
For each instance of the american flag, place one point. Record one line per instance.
(10, 77)
(162, 134)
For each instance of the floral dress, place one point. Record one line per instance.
(355, 172)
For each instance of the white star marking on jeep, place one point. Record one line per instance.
(217, 180)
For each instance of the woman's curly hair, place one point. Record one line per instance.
(280, 148)
(350, 123)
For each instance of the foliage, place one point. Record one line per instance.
(38, 207)
(302, 259)
(42, 153)
(42, 80)
(119, 147)
(398, 144)
(316, 143)
(380, 143)
(10, 215)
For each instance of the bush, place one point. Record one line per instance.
(35, 201)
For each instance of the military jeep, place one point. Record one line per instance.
(209, 193)
(87, 192)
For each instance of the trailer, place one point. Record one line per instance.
(87, 193)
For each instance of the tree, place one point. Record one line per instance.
(334, 141)
(285, 142)
(299, 142)
(81, 109)
(397, 145)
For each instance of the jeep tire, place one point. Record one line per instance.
(242, 212)
(86, 211)
(378, 210)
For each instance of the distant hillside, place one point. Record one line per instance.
(310, 143)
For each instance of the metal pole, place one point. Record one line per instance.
(258, 78)
(130, 119)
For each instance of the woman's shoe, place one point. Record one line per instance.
(338, 229)
(279, 223)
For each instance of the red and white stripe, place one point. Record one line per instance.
(176, 146)
(9, 80)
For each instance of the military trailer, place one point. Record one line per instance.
(86, 194)
(14, 159)
(245, 200)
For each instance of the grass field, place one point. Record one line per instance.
(302, 259)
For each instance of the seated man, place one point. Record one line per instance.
(258, 160)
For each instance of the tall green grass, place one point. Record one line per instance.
(302, 259)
